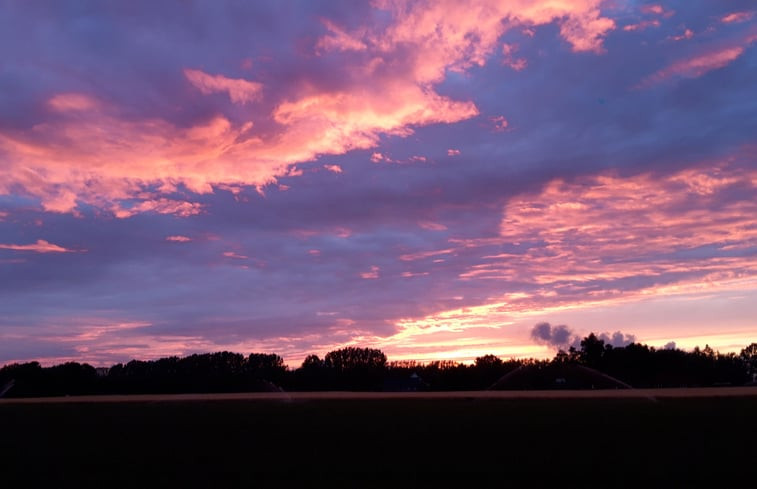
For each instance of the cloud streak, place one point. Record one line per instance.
(697, 65)
(40, 246)
(240, 91)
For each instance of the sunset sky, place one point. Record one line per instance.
(431, 178)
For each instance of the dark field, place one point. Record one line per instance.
(696, 442)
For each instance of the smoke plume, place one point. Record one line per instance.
(563, 337)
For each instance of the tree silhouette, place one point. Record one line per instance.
(356, 368)
(353, 358)
(312, 362)
(749, 357)
(592, 350)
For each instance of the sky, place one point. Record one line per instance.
(438, 179)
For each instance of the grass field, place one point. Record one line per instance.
(415, 442)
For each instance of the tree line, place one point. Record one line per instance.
(367, 369)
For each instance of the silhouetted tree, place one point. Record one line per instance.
(487, 369)
(27, 379)
(312, 375)
(71, 378)
(312, 362)
(749, 357)
(353, 358)
(356, 368)
(266, 366)
(592, 350)
(366, 369)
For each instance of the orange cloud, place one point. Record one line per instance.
(240, 91)
(41, 246)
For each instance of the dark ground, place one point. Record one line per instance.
(704, 442)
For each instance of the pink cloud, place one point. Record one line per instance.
(432, 226)
(333, 168)
(240, 91)
(64, 161)
(457, 34)
(339, 40)
(687, 34)
(65, 102)
(178, 239)
(500, 123)
(572, 236)
(453, 152)
(577, 230)
(160, 206)
(373, 273)
(234, 255)
(509, 50)
(657, 10)
(643, 25)
(41, 246)
(425, 254)
(737, 17)
(695, 66)
(574, 239)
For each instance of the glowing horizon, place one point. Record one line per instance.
(432, 178)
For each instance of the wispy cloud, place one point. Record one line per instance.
(373, 273)
(178, 239)
(41, 246)
(695, 66)
(737, 17)
(240, 91)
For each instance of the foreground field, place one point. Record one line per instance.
(650, 394)
(459, 441)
